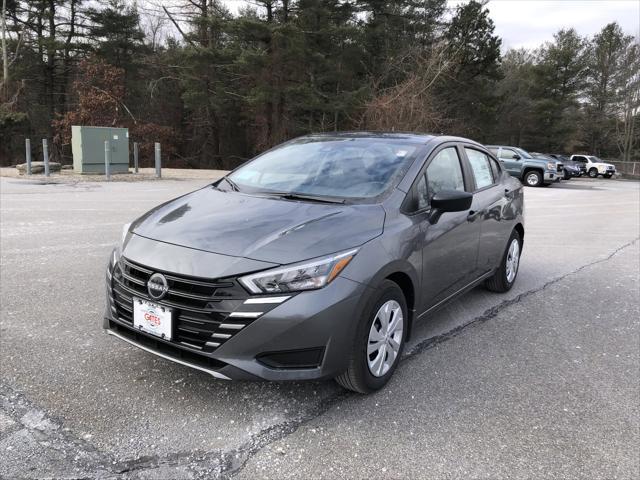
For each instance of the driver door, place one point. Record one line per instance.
(511, 161)
(450, 245)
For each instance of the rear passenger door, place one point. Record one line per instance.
(488, 207)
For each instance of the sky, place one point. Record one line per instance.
(529, 23)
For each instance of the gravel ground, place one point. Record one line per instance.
(482, 393)
(144, 174)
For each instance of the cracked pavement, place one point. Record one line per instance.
(542, 381)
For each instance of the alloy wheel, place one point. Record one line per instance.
(532, 179)
(385, 337)
(513, 259)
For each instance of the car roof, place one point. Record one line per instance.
(411, 137)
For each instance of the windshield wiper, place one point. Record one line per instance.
(302, 196)
(233, 184)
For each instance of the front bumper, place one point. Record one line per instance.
(319, 324)
(550, 177)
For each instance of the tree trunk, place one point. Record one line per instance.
(5, 54)
(50, 65)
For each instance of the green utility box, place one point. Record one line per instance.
(87, 146)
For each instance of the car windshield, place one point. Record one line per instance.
(327, 167)
(595, 159)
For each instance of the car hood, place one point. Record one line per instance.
(260, 228)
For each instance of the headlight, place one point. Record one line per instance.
(304, 276)
(125, 234)
(551, 166)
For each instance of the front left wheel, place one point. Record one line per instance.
(533, 178)
(378, 343)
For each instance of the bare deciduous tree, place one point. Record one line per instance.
(411, 105)
(629, 100)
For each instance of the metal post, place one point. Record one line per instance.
(45, 153)
(158, 171)
(135, 157)
(107, 159)
(27, 147)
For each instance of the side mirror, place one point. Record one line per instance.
(516, 157)
(449, 201)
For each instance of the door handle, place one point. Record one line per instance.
(472, 215)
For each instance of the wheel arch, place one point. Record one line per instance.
(520, 229)
(529, 169)
(406, 284)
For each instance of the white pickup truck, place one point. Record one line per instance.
(594, 166)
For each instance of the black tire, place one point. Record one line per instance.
(607, 175)
(358, 377)
(533, 178)
(593, 173)
(499, 281)
(567, 175)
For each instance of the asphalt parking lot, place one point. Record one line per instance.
(540, 382)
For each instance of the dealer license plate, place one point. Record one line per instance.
(152, 318)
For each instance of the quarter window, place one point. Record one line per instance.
(444, 172)
(481, 168)
(495, 167)
(421, 190)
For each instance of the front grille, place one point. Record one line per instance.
(202, 308)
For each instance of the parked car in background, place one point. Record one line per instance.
(534, 172)
(314, 259)
(595, 166)
(562, 174)
(575, 169)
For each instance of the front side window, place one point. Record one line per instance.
(523, 153)
(328, 166)
(508, 154)
(444, 172)
(480, 167)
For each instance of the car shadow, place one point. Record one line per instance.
(567, 185)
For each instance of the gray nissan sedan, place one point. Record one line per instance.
(314, 259)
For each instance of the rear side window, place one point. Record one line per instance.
(481, 168)
(444, 172)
